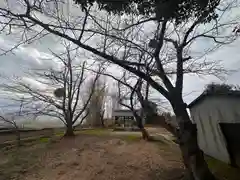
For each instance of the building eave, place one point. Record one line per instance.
(234, 94)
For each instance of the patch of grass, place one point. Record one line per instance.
(149, 125)
(131, 137)
(222, 170)
(24, 141)
(44, 139)
(97, 131)
(59, 133)
(107, 132)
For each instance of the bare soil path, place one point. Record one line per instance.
(105, 158)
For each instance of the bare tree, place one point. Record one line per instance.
(96, 105)
(132, 99)
(11, 120)
(140, 118)
(59, 91)
(14, 127)
(171, 51)
(139, 95)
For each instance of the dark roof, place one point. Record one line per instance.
(231, 94)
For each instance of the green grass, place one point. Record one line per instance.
(24, 141)
(44, 139)
(97, 131)
(222, 170)
(59, 134)
(107, 132)
(130, 137)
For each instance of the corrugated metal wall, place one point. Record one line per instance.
(208, 115)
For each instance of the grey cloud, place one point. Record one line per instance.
(193, 85)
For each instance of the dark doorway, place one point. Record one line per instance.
(231, 131)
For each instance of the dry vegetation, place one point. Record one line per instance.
(95, 154)
(11, 136)
(90, 157)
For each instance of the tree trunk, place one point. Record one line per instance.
(193, 157)
(69, 131)
(102, 119)
(18, 137)
(69, 128)
(144, 132)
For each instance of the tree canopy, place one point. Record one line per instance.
(215, 88)
(169, 54)
(175, 10)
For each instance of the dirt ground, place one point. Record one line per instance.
(88, 157)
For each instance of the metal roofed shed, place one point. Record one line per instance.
(217, 117)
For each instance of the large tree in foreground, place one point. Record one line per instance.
(175, 27)
(176, 10)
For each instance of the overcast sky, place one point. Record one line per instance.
(33, 55)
